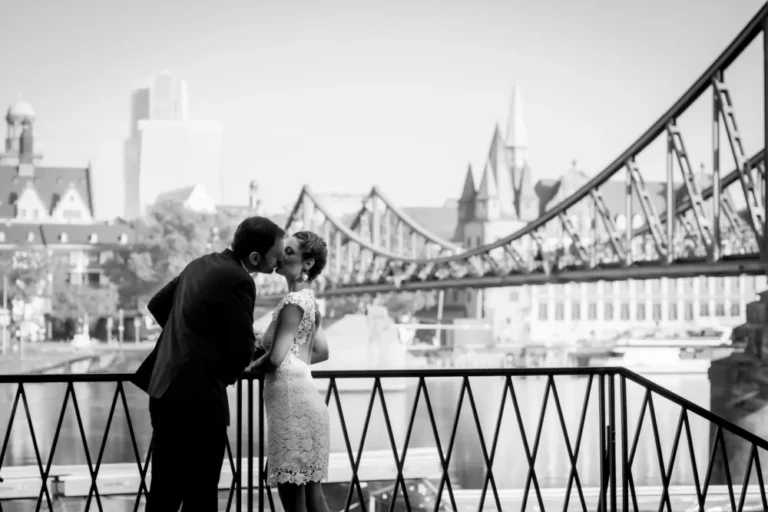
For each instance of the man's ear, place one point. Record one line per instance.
(254, 258)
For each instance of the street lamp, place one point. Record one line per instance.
(5, 317)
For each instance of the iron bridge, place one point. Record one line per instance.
(716, 230)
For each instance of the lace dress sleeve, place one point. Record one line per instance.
(305, 301)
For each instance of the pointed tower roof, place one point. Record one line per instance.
(517, 132)
(488, 188)
(468, 192)
(497, 158)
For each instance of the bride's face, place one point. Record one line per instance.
(293, 261)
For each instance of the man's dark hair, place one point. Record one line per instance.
(255, 234)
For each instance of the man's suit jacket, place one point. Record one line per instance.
(207, 340)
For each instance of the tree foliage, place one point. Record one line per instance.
(169, 237)
(397, 303)
(84, 302)
(28, 269)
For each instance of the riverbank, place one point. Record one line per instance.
(49, 356)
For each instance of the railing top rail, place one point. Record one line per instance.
(338, 374)
(694, 408)
(433, 373)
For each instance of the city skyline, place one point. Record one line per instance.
(167, 150)
(301, 104)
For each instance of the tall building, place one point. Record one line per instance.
(165, 149)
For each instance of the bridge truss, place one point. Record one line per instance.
(715, 230)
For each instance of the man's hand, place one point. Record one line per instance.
(258, 353)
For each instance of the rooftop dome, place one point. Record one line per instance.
(19, 112)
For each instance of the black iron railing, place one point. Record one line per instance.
(589, 471)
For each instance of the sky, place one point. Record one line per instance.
(403, 94)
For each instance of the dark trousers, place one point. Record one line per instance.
(188, 451)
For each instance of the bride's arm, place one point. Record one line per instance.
(320, 351)
(287, 325)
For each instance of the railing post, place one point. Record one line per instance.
(612, 438)
(603, 455)
(250, 444)
(239, 448)
(261, 445)
(624, 444)
(607, 445)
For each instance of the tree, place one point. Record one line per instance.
(169, 237)
(397, 303)
(28, 269)
(84, 302)
(408, 303)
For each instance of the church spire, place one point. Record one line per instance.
(468, 192)
(487, 204)
(488, 188)
(497, 158)
(517, 132)
(468, 197)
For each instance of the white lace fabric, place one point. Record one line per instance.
(298, 422)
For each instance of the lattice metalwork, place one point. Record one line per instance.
(715, 228)
(554, 438)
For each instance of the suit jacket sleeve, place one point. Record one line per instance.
(160, 305)
(240, 341)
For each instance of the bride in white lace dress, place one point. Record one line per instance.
(297, 417)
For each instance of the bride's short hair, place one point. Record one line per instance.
(313, 246)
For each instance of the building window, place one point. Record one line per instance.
(608, 311)
(672, 285)
(454, 293)
(735, 309)
(542, 310)
(592, 312)
(673, 311)
(71, 214)
(123, 239)
(657, 312)
(559, 311)
(575, 311)
(719, 309)
(93, 238)
(2, 236)
(625, 311)
(63, 238)
(704, 309)
(688, 311)
(720, 284)
(30, 237)
(640, 312)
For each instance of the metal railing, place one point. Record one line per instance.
(614, 484)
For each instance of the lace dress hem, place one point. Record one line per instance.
(296, 476)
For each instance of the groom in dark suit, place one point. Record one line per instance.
(206, 313)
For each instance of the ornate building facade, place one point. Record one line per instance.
(51, 208)
(509, 197)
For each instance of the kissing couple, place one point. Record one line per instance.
(208, 341)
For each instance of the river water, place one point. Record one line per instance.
(467, 463)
